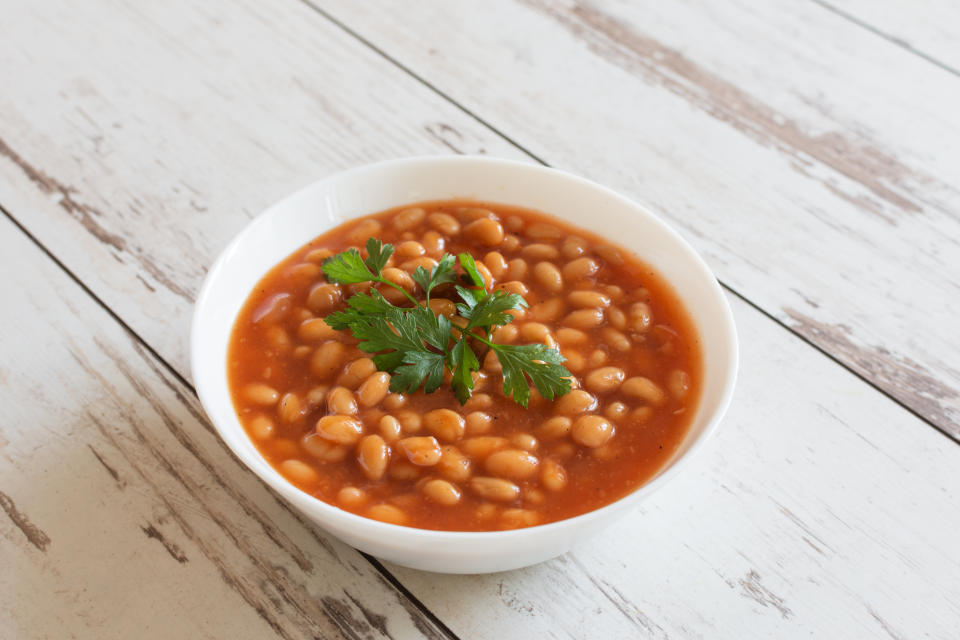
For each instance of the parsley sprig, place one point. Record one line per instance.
(415, 345)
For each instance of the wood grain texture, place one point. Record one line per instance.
(771, 136)
(925, 27)
(123, 514)
(821, 509)
(137, 153)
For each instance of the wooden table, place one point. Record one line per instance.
(810, 150)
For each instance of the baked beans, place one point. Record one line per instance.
(485, 231)
(321, 413)
(423, 451)
(442, 492)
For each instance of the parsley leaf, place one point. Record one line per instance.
(441, 273)
(360, 306)
(536, 361)
(372, 303)
(491, 311)
(346, 267)
(416, 346)
(395, 334)
(418, 365)
(349, 267)
(397, 337)
(464, 362)
(435, 330)
(470, 266)
(469, 301)
(377, 255)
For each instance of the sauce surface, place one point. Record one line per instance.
(319, 412)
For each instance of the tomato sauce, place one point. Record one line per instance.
(629, 343)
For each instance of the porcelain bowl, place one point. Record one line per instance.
(289, 224)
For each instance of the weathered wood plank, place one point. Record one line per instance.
(845, 464)
(803, 518)
(139, 152)
(927, 27)
(821, 509)
(124, 516)
(813, 163)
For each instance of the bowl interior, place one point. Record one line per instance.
(289, 224)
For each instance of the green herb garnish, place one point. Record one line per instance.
(415, 345)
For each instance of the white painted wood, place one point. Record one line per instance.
(928, 27)
(122, 515)
(137, 138)
(811, 161)
(820, 510)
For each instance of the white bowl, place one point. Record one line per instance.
(289, 224)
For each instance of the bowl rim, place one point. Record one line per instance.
(304, 500)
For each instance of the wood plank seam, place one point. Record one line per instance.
(748, 579)
(86, 216)
(426, 83)
(923, 377)
(791, 329)
(906, 46)
(795, 552)
(40, 540)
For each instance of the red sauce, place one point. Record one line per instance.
(643, 354)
